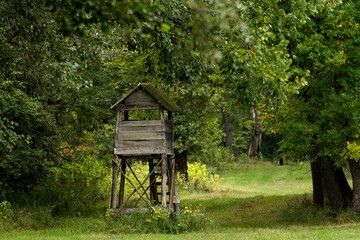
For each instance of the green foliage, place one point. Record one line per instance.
(197, 128)
(159, 221)
(241, 130)
(52, 94)
(6, 212)
(26, 130)
(75, 188)
(324, 116)
(199, 178)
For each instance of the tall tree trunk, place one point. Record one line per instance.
(318, 193)
(335, 185)
(255, 140)
(355, 174)
(228, 134)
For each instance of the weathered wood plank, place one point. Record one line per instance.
(171, 181)
(135, 136)
(161, 114)
(140, 96)
(138, 151)
(142, 155)
(163, 180)
(131, 210)
(156, 144)
(140, 107)
(169, 137)
(151, 128)
(176, 204)
(142, 123)
(169, 126)
(115, 175)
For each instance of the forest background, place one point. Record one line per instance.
(284, 70)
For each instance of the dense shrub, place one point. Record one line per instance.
(199, 178)
(75, 187)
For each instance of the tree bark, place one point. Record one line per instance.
(256, 135)
(355, 174)
(318, 193)
(228, 134)
(181, 164)
(344, 186)
(334, 185)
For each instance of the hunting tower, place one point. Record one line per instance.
(151, 141)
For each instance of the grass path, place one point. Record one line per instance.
(253, 202)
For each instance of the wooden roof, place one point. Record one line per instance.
(152, 91)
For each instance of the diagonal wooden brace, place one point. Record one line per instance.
(135, 190)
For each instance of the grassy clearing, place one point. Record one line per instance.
(259, 179)
(259, 201)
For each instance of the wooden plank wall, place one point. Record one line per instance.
(144, 137)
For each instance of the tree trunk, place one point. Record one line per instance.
(255, 140)
(227, 123)
(334, 185)
(344, 186)
(355, 174)
(181, 164)
(318, 194)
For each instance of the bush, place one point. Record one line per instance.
(158, 221)
(74, 188)
(6, 211)
(6, 215)
(199, 178)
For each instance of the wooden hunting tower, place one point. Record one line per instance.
(146, 140)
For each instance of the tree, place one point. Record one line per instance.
(52, 93)
(322, 118)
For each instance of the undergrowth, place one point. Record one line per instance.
(31, 217)
(300, 210)
(199, 179)
(158, 221)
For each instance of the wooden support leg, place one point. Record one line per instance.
(122, 182)
(153, 188)
(115, 166)
(176, 207)
(171, 182)
(163, 179)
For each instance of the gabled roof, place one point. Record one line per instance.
(150, 89)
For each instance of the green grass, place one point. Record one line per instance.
(266, 179)
(256, 201)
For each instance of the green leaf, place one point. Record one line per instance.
(165, 27)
